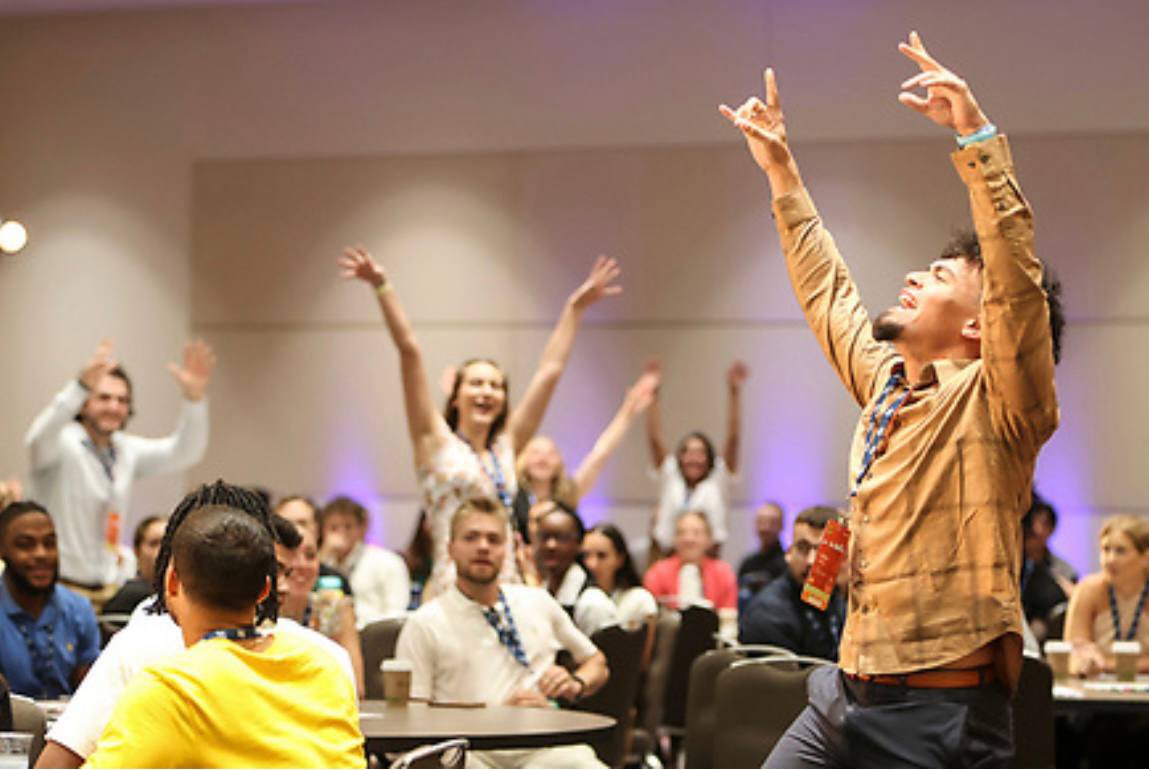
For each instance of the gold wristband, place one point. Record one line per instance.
(383, 288)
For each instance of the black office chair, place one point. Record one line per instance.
(623, 650)
(757, 699)
(377, 642)
(652, 688)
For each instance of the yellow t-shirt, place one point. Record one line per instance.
(219, 704)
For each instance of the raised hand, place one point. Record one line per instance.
(194, 374)
(763, 125)
(600, 283)
(98, 365)
(736, 375)
(356, 262)
(642, 392)
(948, 100)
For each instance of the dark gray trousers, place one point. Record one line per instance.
(853, 724)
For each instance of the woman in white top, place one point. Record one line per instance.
(695, 478)
(607, 559)
(542, 474)
(469, 451)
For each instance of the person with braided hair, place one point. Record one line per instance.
(152, 636)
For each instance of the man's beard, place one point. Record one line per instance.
(22, 584)
(885, 328)
(483, 576)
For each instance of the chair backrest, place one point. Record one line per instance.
(695, 636)
(450, 753)
(377, 641)
(623, 650)
(27, 717)
(1033, 716)
(756, 701)
(654, 688)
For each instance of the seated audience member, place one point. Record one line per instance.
(297, 561)
(1041, 521)
(689, 576)
(378, 576)
(150, 638)
(557, 559)
(1110, 605)
(236, 697)
(48, 635)
(480, 642)
(769, 561)
(1042, 590)
(304, 513)
(145, 545)
(606, 557)
(777, 615)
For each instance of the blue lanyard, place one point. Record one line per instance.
(1136, 613)
(508, 632)
(243, 633)
(496, 477)
(880, 422)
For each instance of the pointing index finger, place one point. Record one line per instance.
(771, 88)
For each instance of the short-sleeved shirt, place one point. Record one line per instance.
(456, 654)
(39, 655)
(709, 496)
(220, 704)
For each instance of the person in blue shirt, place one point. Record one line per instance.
(48, 635)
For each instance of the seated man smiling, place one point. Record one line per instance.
(236, 697)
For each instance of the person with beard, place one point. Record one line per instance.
(48, 635)
(557, 552)
(957, 393)
(83, 464)
(777, 615)
(514, 630)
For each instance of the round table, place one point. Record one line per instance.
(389, 728)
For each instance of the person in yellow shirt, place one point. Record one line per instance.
(236, 697)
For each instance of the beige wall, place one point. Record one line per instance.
(139, 148)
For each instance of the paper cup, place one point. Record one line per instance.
(396, 681)
(1126, 655)
(14, 749)
(1057, 655)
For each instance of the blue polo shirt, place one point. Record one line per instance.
(38, 655)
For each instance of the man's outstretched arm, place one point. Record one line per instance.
(1016, 344)
(821, 281)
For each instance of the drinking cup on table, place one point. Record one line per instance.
(1057, 654)
(15, 749)
(1126, 655)
(397, 681)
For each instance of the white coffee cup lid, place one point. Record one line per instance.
(395, 664)
(1127, 648)
(1058, 645)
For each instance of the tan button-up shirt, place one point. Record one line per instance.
(936, 547)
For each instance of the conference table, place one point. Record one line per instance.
(1104, 693)
(390, 728)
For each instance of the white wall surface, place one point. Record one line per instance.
(598, 120)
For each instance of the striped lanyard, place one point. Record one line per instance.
(507, 630)
(880, 422)
(495, 476)
(1136, 613)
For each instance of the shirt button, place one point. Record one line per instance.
(866, 519)
(863, 564)
(984, 158)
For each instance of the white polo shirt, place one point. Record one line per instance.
(379, 581)
(146, 639)
(592, 608)
(456, 655)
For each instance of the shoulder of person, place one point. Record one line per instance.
(74, 605)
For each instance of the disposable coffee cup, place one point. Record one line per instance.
(397, 681)
(14, 749)
(1126, 655)
(1057, 654)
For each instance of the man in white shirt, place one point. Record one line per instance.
(147, 639)
(379, 579)
(83, 464)
(514, 630)
(558, 543)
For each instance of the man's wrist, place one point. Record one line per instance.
(986, 131)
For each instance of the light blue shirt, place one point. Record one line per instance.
(38, 655)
